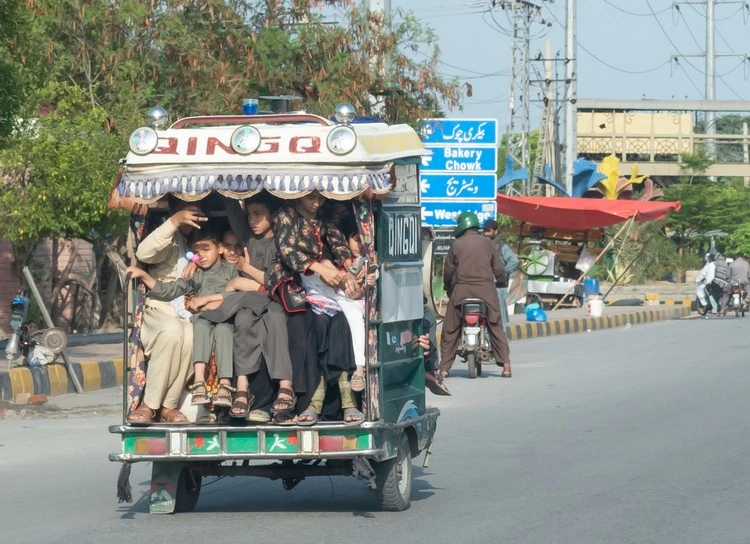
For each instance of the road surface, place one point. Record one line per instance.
(630, 435)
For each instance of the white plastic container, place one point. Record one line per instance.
(594, 306)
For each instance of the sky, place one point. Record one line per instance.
(611, 44)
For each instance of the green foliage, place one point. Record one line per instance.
(58, 170)
(707, 206)
(739, 241)
(12, 23)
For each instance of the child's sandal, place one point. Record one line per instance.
(200, 398)
(223, 397)
(358, 382)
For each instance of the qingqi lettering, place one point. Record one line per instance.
(403, 235)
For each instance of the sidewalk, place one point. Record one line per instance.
(100, 366)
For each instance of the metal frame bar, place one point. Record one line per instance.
(248, 119)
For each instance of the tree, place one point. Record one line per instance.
(11, 89)
(93, 67)
(58, 171)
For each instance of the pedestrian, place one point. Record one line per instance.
(472, 267)
(510, 261)
(720, 285)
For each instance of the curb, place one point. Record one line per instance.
(53, 379)
(571, 325)
(556, 327)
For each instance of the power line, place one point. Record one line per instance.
(605, 63)
(618, 8)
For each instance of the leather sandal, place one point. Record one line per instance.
(289, 401)
(172, 415)
(141, 415)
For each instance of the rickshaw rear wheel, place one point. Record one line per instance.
(471, 362)
(393, 478)
(188, 491)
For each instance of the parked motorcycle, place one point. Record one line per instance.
(475, 340)
(737, 299)
(24, 340)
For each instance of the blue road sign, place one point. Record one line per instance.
(459, 185)
(444, 214)
(459, 131)
(460, 159)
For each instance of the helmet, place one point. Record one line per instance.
(466, 221)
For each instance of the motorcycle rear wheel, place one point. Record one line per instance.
(471, 362)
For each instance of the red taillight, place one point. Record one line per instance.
(472, 319)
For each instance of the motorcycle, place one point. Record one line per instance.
(24, 340)
(737, 299)
(475, 340)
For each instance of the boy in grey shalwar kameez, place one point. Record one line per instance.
(206, 286)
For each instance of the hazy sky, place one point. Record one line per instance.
(477, 51)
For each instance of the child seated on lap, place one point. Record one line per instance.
(207, 286)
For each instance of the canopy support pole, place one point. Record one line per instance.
(632, 261)
(607, 247)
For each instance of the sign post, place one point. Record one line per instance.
(461, 173)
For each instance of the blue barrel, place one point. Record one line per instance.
(590, 286)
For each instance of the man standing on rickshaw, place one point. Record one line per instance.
(472, 268)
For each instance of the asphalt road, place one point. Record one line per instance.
(637, 435)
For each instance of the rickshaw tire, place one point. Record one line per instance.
(188, 491)
(394, 491)
(471, 362)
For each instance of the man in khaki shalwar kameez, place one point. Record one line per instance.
(166, 332)
(472, 267)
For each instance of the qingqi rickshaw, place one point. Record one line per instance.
(372, 166)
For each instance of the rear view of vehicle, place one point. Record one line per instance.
(475, 342)
(372, 168)
(738, 299)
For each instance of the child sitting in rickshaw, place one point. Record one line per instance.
(206, 286)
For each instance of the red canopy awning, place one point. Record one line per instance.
(580, 213)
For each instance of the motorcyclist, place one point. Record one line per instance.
(510, 261)
(472, 267)
(739, 271)
(720, 286)
(705, 279)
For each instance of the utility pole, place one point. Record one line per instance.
(571, 97)
(518, 124)
(710, 75)
(710, 57)
(381, 9)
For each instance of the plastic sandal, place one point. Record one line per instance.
(353, 412)
(202, 398)
(259, 416)
(358, 382)
(224, 400)
(312, 414)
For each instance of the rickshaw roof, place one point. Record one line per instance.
(581, 213)
(194, 157)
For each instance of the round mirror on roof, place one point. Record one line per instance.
(157, 117)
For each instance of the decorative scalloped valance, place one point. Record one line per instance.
(146, 186)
